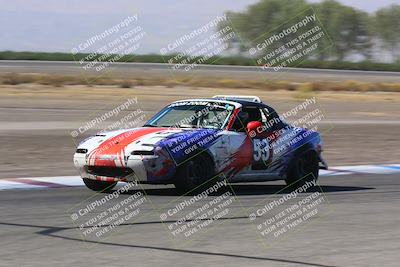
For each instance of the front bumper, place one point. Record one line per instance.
(133, 170)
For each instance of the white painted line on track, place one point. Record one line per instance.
(63, 180)
(361, 169)
(6, 185)
(73, 181)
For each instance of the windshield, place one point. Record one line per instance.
(193, 115)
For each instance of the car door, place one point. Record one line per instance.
(272, 138)
(257, 141)
(258, 144)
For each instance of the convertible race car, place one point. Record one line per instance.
(191, 142)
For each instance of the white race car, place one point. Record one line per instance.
(191, 142)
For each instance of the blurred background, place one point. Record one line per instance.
(64, 63)
(366, 32)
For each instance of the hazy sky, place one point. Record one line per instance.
(59, 25)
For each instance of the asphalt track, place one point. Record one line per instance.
(358, 225)
(123, 69)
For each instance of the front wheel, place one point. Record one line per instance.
(195, 174)
(303, 168)
(99, 186)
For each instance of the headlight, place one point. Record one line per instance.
(81, 150)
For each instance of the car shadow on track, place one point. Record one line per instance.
(57, 232)
(283, 189)
(253, 189)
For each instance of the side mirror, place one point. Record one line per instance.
(252, 128)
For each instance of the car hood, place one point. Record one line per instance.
(123, 142)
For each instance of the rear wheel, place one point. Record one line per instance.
(303, 168)
(99, 186)
(195, 174)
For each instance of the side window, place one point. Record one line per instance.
(254, 114)
(246, 115)
(272, 119)
(239, 125)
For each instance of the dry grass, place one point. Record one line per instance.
(301, 89)
(305, 90)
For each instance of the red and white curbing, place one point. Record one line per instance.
(73, 181)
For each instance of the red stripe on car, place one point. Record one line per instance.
(114, 147)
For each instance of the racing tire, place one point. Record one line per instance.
(303, 168)
(99, 186)
(195, 174)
